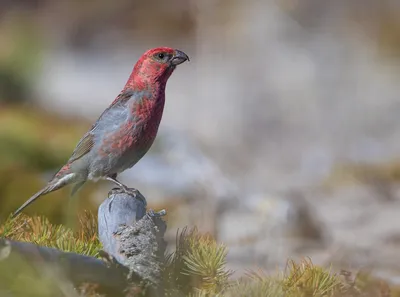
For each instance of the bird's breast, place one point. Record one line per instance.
(147, 127)
(125, 136)
(134, 137)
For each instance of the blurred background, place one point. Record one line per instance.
(281, 136)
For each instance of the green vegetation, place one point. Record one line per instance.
(197, 268)
(197, 265)
(40, 231)
(34, 143)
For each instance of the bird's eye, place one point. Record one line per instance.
(161, 56)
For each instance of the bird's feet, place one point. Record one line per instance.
(132, 192)
(151, 213)
(123, 189)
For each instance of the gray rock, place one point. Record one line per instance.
(119, 209)
(132, 237)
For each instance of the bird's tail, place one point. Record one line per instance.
(51, 186)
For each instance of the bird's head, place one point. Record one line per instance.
(157, 64)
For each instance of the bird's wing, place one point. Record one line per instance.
(83, 147)
(87, 141)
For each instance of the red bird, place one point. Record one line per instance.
(125, 131)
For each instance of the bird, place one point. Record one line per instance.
(125, 131)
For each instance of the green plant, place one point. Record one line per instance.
(40, 231)
(198, 263)
(197, 268)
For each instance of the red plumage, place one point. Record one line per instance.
(126, 130)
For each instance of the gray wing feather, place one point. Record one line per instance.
(87, 141)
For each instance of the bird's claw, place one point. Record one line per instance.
(130, 191)
(116, 190)
(134, 193)
(152, 214)
(124, 189)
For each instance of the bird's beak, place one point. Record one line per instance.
(179, 57)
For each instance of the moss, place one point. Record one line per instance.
(197, 268)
